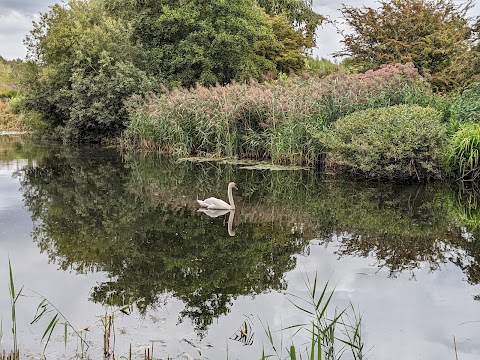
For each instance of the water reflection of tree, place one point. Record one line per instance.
(92, 212)
(134, 218)
(402, 227)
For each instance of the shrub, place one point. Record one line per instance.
(464, 151)
(15, 104)
(9, 120)
(398, 142)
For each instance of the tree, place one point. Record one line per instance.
(82, 71)
(287, 51)
(433, 34)
(299, 13)
(88, 56)
(205, 42)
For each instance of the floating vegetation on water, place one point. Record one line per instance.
(273, 167)
(244, 163)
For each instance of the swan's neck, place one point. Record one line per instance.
(230, 197)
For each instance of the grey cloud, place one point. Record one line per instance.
(27, 7)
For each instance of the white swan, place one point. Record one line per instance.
(213, 203)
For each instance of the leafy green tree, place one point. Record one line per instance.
(288, 50)
(88, 57)
(82, 71)
(433, 34)
(205, 42)
(298, 13)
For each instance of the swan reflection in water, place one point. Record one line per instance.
(217, 213)
(214, 207)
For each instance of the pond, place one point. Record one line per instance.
(114, 243)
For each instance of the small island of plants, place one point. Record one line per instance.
(237, 80)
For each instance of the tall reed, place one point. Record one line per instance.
(13, 302)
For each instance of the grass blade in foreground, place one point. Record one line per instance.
(325, 342)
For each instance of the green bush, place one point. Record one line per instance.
(15, 104)
(464, 151)
(397, 142)
(466, 107)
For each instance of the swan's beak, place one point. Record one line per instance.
(235, 187)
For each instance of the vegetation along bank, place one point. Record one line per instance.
(237, 80)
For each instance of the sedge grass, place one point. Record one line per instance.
(325, 341)
(464, 152)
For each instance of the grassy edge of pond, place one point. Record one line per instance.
(301, 122)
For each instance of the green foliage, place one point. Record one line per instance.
(203, 42)
(321, 67)
(34, 122)
(466, 107)
(6, 76)
(97, 97)
(434, 34)
(299, 13)
(89, 56)
(8, 94)
(464, 151)
(87, 74)
(276, 120)
(287, 49)
(15, 104)
(397, 142)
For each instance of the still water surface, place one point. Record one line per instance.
(91, 230)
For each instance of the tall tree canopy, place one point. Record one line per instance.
(300, 13)
(434, 34)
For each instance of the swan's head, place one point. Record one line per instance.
(232, 185)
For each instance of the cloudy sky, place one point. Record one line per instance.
(16, 18)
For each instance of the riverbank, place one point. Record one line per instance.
(293, 122)
(382, 125)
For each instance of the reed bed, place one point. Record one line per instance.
(272, 120)
(9, 120)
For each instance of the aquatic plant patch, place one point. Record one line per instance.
(464, 152)
(466, 107)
